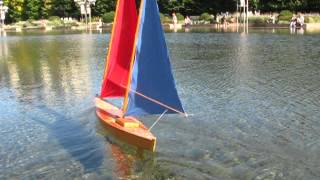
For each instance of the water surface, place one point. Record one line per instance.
(254, 100)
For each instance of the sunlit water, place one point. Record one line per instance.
(254, 100)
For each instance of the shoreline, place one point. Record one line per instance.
(250, 25)
(308, 26)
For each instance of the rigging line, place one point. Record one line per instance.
(164, 112)
(157, 102)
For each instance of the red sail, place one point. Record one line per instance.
(120, 50)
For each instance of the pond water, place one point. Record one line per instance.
(254, 100)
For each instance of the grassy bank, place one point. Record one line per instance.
(51, 23)
(278, 20)
(283, 18)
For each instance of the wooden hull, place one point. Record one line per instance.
(128, 129)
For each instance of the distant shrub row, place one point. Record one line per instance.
(257, 20)
(283, 18)
(312, 19)
(109, 17)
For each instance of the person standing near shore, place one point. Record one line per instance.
(272, 19)
(300, 20)
(187, 21)
(100, 23)
(174, 20)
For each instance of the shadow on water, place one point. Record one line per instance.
(80, 142)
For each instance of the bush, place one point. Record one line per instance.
(165, 19)
(71, 23)
(95, 19)
(285, 15)
(205, 17)
(312, 19)
(282, 22)
(162, 17)
(27, 24)
(31, 22)
(55, 21)
(180, 17)
(108, 17)
(54, 18)
(257, 20)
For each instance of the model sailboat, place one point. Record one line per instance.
(139, 71)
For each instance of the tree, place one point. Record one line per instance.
(33, 9)
(46, 8)
(15, 10)
(103, 6)
(312, 5)
(36, 9)
(278, 5)
(215, 7)
(254, 5)
(196, 7)
(64, 8)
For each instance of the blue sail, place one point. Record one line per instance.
(152, 89)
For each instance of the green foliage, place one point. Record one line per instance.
(312, 5)
(205, 17)
(312, 19)
(292, 5)
(64, 8)
(55, 21)
(32, 9)
(257, 20)
(38, 9)
(254, 4)
(180, 17)
(70, 23)
(103, 6)
(285, 15)
(15, 10)
(162, 16)
(26, 24)
(95, 19)
(165, 19)
(108, 17)
(282, 22)
(54, 18)
(196, 7)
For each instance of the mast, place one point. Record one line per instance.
(133, 56)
